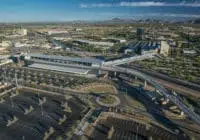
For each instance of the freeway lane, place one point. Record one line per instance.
(190, 113)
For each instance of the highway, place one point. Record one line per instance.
(190, 113)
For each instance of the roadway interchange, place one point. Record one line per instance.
(191, 114)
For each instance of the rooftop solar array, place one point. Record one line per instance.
(75, 59)
(59, 68)
(144, 45)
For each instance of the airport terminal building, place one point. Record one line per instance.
(75, 65)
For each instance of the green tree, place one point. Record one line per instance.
(59, 138)
(198, 60)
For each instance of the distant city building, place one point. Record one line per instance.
(5, 44)
(116, 40)
(22, 32)
(4, 47)
(189, 52)
(164, 48)
(57, 47)
(3, 50)
(47, 46)
(140, 33)
(57, 31)
(4, 59)
(94, 42)
(172, 43)
(19, 45)
(78, 29)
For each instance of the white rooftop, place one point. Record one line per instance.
(67, 58)
(59, 68)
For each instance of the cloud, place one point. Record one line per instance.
(173, 15)
(96, 5)
(83, 5)
(141, 4)
(159, 4)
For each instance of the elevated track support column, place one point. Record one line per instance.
(150, 138)
(136, 78)
(145, 84)
(99, 72)
(115, 73)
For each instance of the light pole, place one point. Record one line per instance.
(136, 132)
(41, 107)
(12, 104)
(16, 82)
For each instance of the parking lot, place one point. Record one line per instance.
(31, 116)
(130, 130)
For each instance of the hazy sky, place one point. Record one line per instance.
(67, 10)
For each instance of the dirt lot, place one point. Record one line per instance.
(98, 88)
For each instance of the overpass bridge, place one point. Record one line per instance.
(129, 59)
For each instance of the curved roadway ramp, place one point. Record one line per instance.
(190, 113)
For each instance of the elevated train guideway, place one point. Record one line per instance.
(190, 113)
